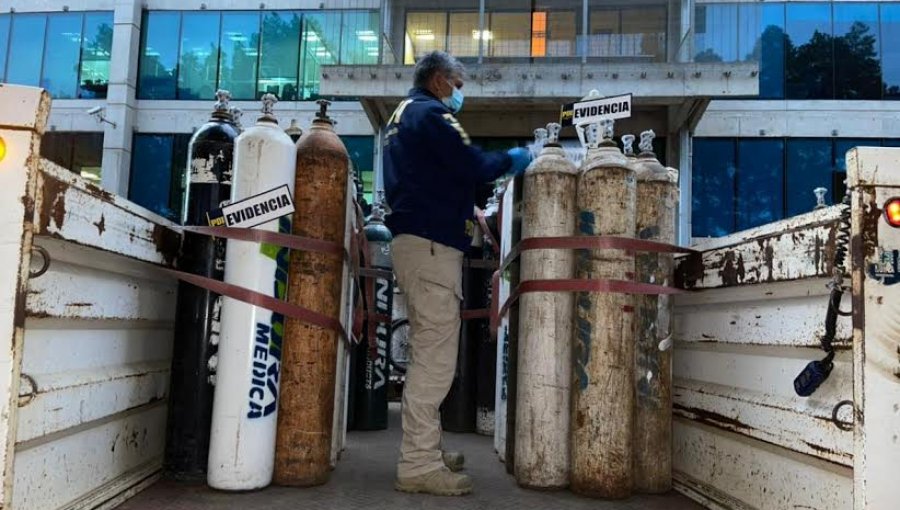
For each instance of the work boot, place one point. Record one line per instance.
(440, 482)
(453, 460)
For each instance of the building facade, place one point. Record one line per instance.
(756, 102)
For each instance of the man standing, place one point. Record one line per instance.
(431, 172)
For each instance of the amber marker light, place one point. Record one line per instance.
(2, 148)
(892, 212)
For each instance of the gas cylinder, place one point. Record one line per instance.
(545, 323)
(501, 422)
(309, 354)
(245, 409)
(657, 203)
(603, 350)
(458, 409)
(198, 311)
(372, 369)
(294, 131)
(486, 355)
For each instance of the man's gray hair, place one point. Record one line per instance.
(436, 62)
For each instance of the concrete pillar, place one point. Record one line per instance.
(120, 100)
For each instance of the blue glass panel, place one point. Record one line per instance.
(761, 39)
(809, 60)
(4, 43)
(61, 54)
(96, 50)
(151, 173)
(280, 58)
(26, 43)
(159, 55)
(362, 155)
(809, 166)
(239, 54)
(857, 67)
(760, 182)
(890, 49)
(199, 55)
(716, 38)
(712, 187)
(891, 142)
(321, 46)
(359, 38)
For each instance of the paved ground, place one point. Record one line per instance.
(364, 480)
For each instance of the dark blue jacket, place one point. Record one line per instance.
(431, 171)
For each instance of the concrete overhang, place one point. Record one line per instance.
(513, 99)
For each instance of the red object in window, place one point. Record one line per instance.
(538, 34)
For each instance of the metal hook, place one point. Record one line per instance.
(26, 399)
(45, 265)
(843, 425)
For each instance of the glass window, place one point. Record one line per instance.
(562, 34)
(604, 27)
(644, 33)
(890, 49)
(87, 156)
(4, 43)
(362, 155)
(96, 49)
(425, 32)
(713, 187)
(464, 34)
(857, 68)
(159, 55)
(239, 54)
(56, 146)
(179, 170)
(26, 43)
(809, 56)
(321, 46)
(199, 55)
(61, 55)
(760, 180)
(81, 153)
(809, 166)
(359, 37)
(769, 49)
(151, 173)
(280, 59)
(716, 39)
(509, 34)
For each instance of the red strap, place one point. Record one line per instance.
(590, 243)
(262, 300)
(475, 313)
(479, 215)
(582, 285)
(265, 236)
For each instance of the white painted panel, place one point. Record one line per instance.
(787, 313)
(751, 474)
(71, 399)
(70, 208)
(55, 347)
(793, 423)
(74, 291)
(762, 369)
(49, 474)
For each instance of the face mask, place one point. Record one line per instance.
(455, 101)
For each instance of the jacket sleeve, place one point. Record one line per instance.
(455, 152)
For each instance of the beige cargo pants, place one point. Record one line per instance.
(431, 276)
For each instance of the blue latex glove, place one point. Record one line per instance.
(521, 158)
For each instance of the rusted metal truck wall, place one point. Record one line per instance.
(742, 437)
(92, 338)
(97, 348)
